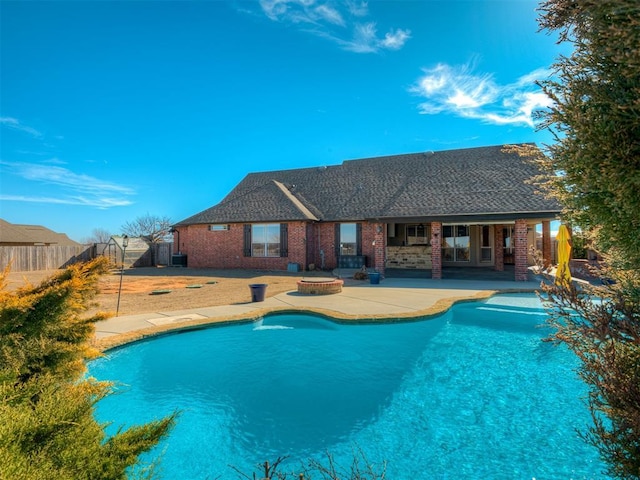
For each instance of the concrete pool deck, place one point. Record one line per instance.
(392, 298)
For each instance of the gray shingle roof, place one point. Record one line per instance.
(466, 182)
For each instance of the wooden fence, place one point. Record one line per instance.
(43, 257)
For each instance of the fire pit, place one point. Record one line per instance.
(320, 286)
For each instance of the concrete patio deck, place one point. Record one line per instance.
(393, 298)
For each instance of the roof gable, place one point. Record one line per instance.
(265, 202)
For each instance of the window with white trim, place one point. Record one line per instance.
(265, 240)
(218, 228)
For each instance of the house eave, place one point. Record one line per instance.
(242, 222)
(471, 218)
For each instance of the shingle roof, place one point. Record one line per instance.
(15, 234)
(465, 182)
(262, 202)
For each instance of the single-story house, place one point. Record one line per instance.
(471, 207)
(12, 234)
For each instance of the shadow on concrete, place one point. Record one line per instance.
(459, 273)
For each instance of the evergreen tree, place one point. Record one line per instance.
(593, 168)
(47, 424)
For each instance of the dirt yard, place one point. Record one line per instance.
(165, 289)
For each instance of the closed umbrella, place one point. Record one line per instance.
(563, 274)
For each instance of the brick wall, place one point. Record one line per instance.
(224, 249)
(325, 242)
(369, 245)
(521, 250)
(324, 238)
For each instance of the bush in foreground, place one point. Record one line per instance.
(47, 424)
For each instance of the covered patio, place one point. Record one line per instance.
(460, 273)
(491, 248)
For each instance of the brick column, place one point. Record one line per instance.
(379, 247)
(499, 244)
(546, 243)
(436, 250)
(520, 247)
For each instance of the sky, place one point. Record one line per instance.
(111, 111)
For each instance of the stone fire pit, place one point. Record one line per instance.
(320, 286)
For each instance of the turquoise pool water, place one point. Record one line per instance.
(474, 393)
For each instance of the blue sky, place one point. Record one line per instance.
(114, 110)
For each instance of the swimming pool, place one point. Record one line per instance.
(471, 394)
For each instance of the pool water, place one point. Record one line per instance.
(474, 393)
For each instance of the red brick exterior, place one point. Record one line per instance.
(520, 250)
(306, 241)
(436, 250)
(320, 288)
(224, 249)
(499, 251)
(323, 256)
(371, 243)
(379, 247)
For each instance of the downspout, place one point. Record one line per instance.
(174, 231)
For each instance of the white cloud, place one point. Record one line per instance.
(364, 38)
(358, 9)
(462, 100)
(459, 91)
(15, 124)
(101, 203)
(330, 15)
(338, 21)
(395, 40)
(72, 188)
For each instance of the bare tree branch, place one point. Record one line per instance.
(153, 228)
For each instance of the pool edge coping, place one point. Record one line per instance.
(441, 306)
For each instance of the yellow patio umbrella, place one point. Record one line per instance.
(563, 274)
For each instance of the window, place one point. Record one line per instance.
(456, 243)
(218, 228)
(348, 239)
(265, 240)
(418, 235)
(485, 243)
